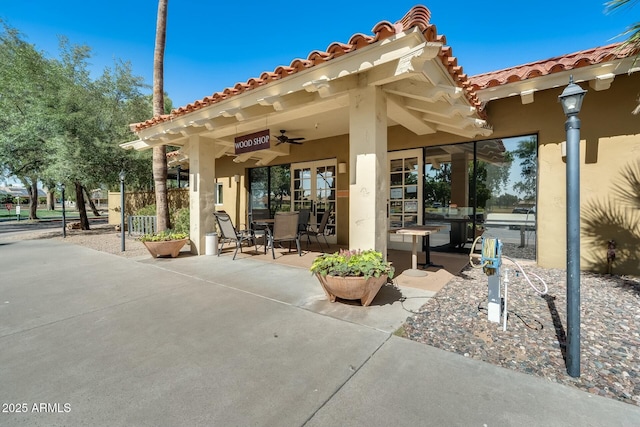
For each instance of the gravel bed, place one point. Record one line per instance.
(534, 343)
(101, 237)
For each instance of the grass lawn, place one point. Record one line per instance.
(42, 213)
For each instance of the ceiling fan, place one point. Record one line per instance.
(284, 139)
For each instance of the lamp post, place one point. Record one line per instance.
(122, 175)
(178, 175)
(64, 216)
(571, 99)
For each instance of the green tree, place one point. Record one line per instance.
(438, 187)
(632, 33)
(57, 124)
(280, 186)
(527, 153)
(483, 191)
(26, 100)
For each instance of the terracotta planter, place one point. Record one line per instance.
(352, 287)
(165, 248)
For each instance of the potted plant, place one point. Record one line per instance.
(164, 243)
(352, 274)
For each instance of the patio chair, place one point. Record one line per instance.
(228, 233)
(303, 220)
(285, 229)
(319, 231)
(259, 230)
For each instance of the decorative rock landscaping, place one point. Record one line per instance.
(534, 343)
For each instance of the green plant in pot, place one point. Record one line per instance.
(164, 243)
(163, 236)
(352, 274)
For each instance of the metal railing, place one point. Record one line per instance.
(141, 224)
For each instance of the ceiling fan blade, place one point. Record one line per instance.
(296, 139)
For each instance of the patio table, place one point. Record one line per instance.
(414, 231)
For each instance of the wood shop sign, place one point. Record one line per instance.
(252, 142)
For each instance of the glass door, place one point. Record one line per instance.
(314, 188)
(405, 194)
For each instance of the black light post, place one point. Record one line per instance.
(571, 99)
(122, 175)
(64, 216)
(178, 175)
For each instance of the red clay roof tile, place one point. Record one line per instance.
(418, 17)
(549, 66)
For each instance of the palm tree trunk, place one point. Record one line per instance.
(160, 152)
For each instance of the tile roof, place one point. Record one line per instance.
(418, 17)
(549, 66)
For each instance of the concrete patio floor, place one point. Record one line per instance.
(203, 341)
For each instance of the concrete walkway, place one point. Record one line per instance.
(205, 341)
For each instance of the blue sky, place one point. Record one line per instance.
(212, 45)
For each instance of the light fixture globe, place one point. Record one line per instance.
(122, 175)
(571, 98)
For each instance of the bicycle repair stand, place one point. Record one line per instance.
(492, 260)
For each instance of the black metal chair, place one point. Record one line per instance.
(319, 231)
(228, 233)
(258, 229)
(303, 220)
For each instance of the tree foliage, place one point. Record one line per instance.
(437, 188)
(527, 153)
(632, 32)
(60, 125)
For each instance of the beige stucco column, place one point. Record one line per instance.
(460, 179)
(202, 184)
(368, 169)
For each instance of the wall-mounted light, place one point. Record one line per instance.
(236, 178)
(342, 167)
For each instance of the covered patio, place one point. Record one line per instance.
(352, 104)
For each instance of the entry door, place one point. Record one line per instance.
(405, 194)
(314, 188)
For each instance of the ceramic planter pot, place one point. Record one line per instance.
(352, 287)
(165, 247)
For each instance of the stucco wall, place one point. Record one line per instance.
(609, 165)
(235, 196)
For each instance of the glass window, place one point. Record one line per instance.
(270, 188)
(219, 193)
(507, 190)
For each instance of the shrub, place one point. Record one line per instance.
(180, 220)
(149, 210)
